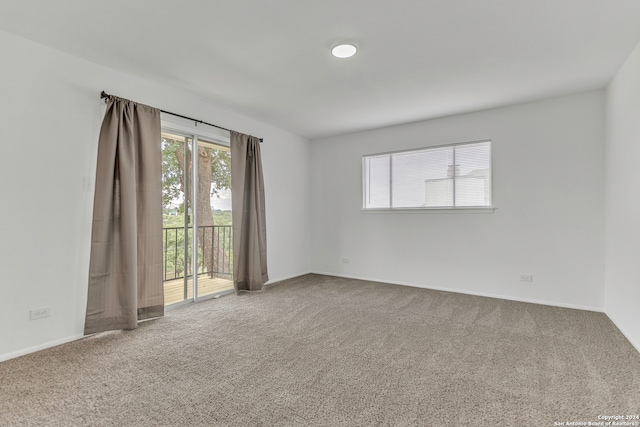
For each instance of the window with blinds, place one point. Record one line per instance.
(447, 176)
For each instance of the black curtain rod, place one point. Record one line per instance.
(105, 95)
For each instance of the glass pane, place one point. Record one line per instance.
(377, 185)
(473, 180)
(215, 263)
(423, 178)
(212, 211)
(176, 182)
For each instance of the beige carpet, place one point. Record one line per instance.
(319, 350)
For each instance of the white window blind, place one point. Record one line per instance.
(448, 176)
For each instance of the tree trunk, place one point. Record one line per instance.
(206, 235)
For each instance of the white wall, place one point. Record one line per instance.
(622, 184)
(548, 181)
(51, 114)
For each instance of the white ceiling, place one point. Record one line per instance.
(418, 59)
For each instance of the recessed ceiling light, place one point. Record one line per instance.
(344, 51)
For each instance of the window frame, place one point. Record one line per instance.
(435, 209)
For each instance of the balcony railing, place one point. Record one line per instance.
(215, 256)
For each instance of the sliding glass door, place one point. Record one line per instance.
(196, 197)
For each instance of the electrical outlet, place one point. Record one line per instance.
(346, 260)
(40, 313)
(526, 277)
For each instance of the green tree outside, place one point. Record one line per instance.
(214, 176)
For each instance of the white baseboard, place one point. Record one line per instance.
(280, 279)
(466, 292)
(621, 329)
(39, 347)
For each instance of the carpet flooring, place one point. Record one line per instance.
(326, 351)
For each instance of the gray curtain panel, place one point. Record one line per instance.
(125, 271)
(249, 221)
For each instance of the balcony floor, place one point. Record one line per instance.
(174, 289)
